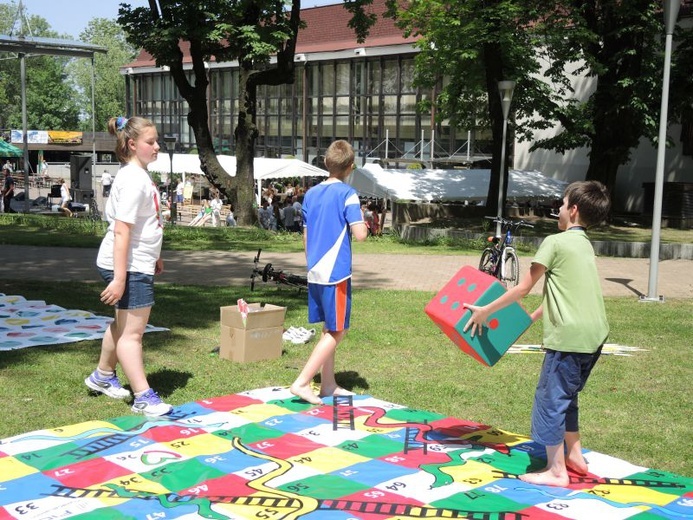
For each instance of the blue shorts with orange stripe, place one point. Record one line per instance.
(330, 304)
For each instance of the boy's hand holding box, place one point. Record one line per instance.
(253, 337)
(474, 287)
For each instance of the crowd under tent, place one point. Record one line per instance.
(263, 168)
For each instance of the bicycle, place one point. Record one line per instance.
(269, 273)
(500, 259)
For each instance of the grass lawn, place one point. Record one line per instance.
(635, 408)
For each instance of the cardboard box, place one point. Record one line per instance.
(259, 318)
(259, 338)
(248, 345)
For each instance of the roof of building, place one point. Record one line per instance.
(326, 30)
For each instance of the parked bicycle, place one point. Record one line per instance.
(499, 259)
(269, 274)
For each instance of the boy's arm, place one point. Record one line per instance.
(359, 231)
(480, 314)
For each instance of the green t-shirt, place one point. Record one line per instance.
(574, 315)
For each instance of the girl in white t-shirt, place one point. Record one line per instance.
(128, 259)
(65, 198)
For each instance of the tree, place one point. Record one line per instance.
(616, 42)
(619, 44)
(49, 98)
(681, 101)
(473, 45)
(250, 32)
(109, 85)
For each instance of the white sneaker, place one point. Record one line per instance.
(289, 334)
(150, 404)
(303, 336)
(110, 387)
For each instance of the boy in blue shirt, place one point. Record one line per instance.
(331, 217)
(575, 328)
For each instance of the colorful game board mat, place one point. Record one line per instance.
(264, 454)
(30, 323)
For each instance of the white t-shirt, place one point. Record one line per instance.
(134, 200)
(216, 205)
(106, 179)
(65, 194)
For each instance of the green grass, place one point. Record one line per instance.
(636, 408)
(55, 231)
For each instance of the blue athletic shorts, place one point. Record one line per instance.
(555, 411)
(139, 289)
(330, 304)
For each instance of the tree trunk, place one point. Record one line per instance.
(245, 136)
(493, 59)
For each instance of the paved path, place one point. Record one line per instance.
(620, 276)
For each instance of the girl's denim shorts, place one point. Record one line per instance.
(139, 289)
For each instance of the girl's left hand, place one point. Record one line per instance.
(159, 267)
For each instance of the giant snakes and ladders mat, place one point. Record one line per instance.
(263, 454)
(29, 323)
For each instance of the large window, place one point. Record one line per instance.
(365, 100)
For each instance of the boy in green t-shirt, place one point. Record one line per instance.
(575, 328)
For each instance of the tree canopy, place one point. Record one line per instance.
(50, 99)
(545, 47)
(109, 96)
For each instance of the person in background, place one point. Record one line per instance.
(8, 191)
(106, 181)
(264, 214)
(332, 217)
(65, 198)
(180, 190)
(288, 214)
(230, 220)
(203, 215)
(128, 260)
(216, 205)
(375, 219)
(298, 213)
(8, 166)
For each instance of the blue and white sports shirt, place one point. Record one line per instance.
(329, 209)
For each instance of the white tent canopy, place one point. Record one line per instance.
(264, 168)
(449, 185)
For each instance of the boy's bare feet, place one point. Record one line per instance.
(576, 464)
(305, 393)
(336, 390)
(546, 478)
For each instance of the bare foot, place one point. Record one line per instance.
(546, 478)
(305, 393)
(337, 390)
(577, 465)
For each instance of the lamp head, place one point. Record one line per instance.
(505, 88)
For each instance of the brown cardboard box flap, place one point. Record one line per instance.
(259, 317)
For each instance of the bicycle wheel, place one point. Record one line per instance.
(511, 273)
(486, 263)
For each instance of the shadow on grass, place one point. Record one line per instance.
(349, 380)
(166, 381)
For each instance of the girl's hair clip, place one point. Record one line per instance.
(121, 122)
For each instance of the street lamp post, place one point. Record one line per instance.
(671, 13)
(505, 88)
(170, 141)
